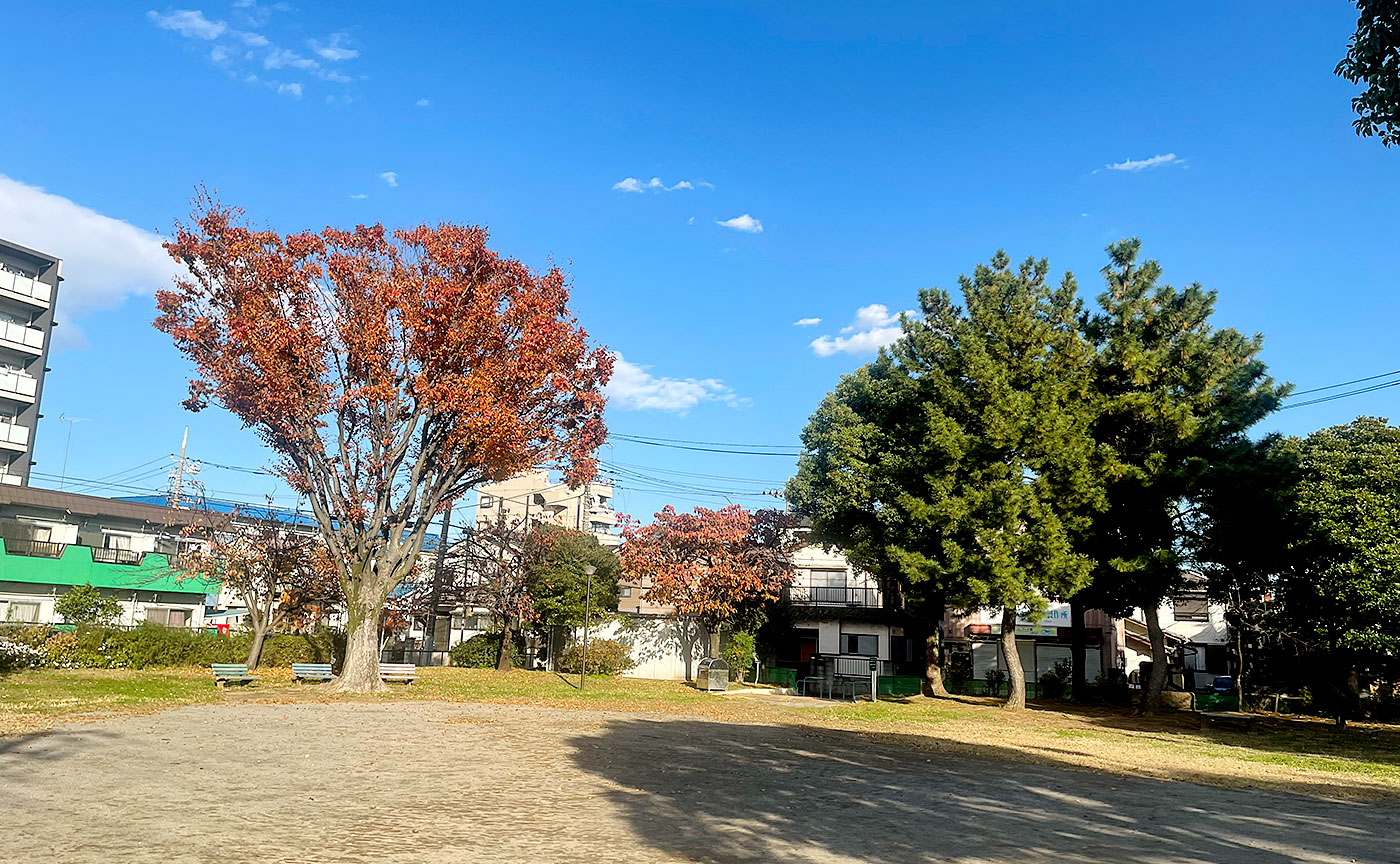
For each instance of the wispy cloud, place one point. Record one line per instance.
(422, 103)
(359, 196)
(633, 184)
(238, 50)
(1144, 164)
(390, 177)
(334, 49)
(745, 223)
(293, 90)
(806, 322)
(189, 23)
(873, 328)
(105, 260)
(634, 388)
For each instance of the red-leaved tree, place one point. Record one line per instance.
(391, 371)
(708, 563)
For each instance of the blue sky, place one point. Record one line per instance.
(882, 148)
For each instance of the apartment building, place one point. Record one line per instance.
(52, 541)
(534, 496)
(28, 289)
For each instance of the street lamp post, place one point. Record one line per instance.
(588, 570)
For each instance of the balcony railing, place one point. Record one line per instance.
(19, 386)
(33, 548)
(30, 289)
(116, 556)
(11, 479)
(13, 433)
(834, 595)
(29, 338)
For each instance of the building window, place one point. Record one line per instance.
(116, 541)
(487, 501)
(24, 613)
(624, 592)
(856, 643)
(1191, 608)
(168, 617)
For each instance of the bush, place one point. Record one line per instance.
(1054, 684)
(483, 651)
(151, 645)
(605, 657)
(738, 653)
(995, 680)
(84, 604)
(17, 655)
(1111, 688)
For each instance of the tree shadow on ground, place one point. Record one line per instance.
(709, 791)
(24, 754)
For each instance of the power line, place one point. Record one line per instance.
(1335, 396)
(792, 455)
(1344, 384)
(627, 437)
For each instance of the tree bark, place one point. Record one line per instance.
(933, 653)
(1016, 675)
(685, 637)
(714, 633)
(1157, 681)
(507, 642)
(1078, 689)
(255, 650)
(360, 672)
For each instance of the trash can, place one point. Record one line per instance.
(712, 676)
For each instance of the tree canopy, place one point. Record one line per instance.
(1373, 59)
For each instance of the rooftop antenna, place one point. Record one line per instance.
(63, 474)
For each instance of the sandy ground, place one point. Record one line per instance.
(442, 782)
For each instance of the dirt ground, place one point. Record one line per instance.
(445, 782)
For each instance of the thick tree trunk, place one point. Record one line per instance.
(255, 650)
(933, 653)
(685, 638)
(507, 643)
(1011, 658)
(1079, 677)
(1157, 681)
(714, 640)
(360, 672)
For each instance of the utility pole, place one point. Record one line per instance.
(430, 632)
(588, 570)
(63, 475)
(178, 490)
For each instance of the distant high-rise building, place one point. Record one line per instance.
(28, 290)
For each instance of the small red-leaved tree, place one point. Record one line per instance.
(391, 371)
(708, 563)
(281, 575)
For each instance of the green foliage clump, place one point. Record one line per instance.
(558, 584)
(483, 650)
(738, 653)
(996, 679)
(16, 655)
(84, 604)
(605, 657)
(152, 646)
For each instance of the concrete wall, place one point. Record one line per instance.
(659, 645)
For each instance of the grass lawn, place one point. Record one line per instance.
(1303, 755)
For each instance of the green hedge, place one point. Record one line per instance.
(483, 651)
(605, 657)
(150, 645)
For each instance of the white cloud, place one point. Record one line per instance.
(292, 90)
(1143, 164)
(189, 23)
(105, 260)
(390, 177)
(254, 40)
(655, 184)
(806, 322)
(745, 223)
(690, 221)
(218, 54)
(335, 49)
(634, 388)
(359, 196)
(422, 103)
(873, 328)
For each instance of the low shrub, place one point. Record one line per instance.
(16, 655)
(605, 657)
(738, 653)
(151, 645)
(483, 651)
(1054, 683)
(1111, 688)
(996, 679)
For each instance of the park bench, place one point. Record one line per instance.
(236, 673)
(312, 672)
(404, 672)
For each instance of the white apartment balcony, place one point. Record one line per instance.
(14, 437)
(18, 387)
(28, 340)
(9, 479)
(25, 289)
(836, 595)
